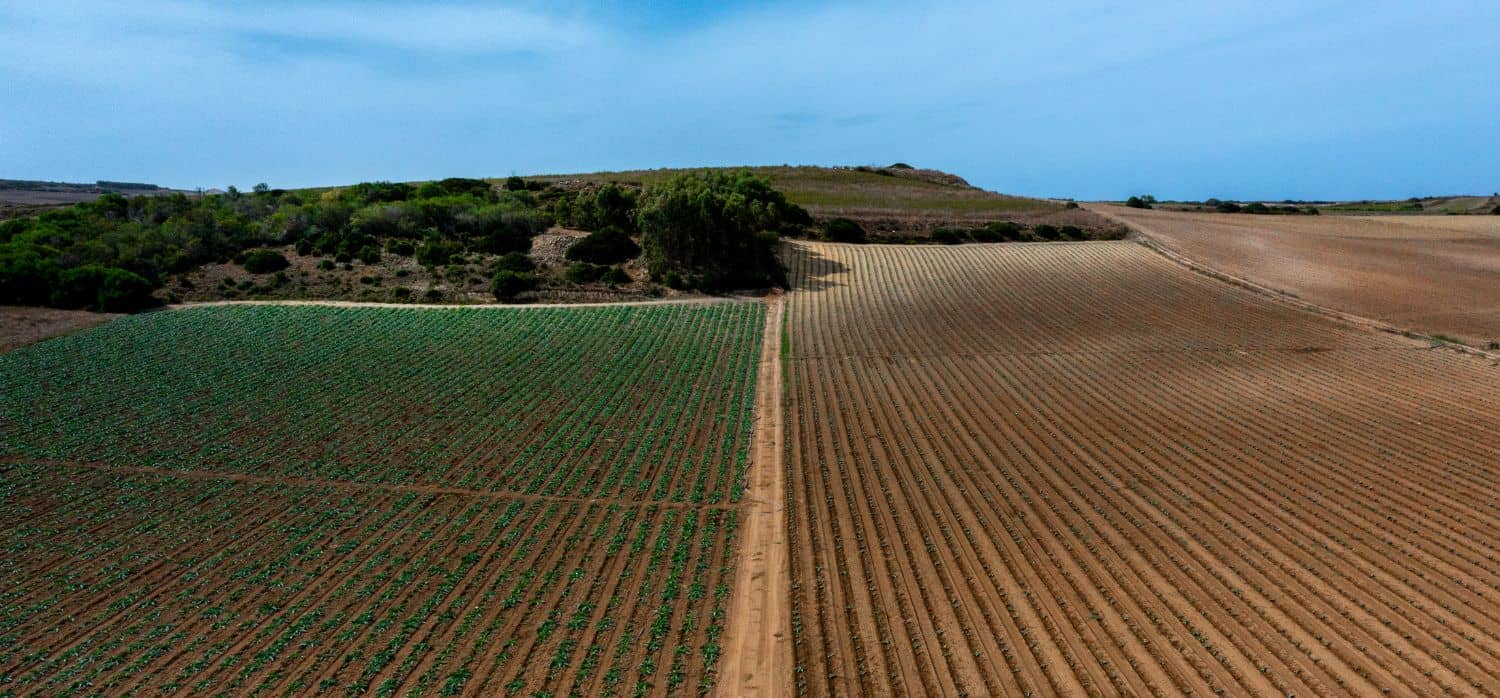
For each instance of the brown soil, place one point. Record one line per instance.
(757, 644)
(1429, 274)
(1084, 469)
(20, 326)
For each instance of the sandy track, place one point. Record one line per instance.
(1429, 274)
(1085, 469)
(757, 645)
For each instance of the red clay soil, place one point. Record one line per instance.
(20, 326)
(1430, 274)
(1084, 469)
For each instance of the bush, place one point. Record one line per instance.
(515, 261)
(27, 273)
(1046, 232)
(326, 265)
(402, 248)
(717, 229)
(438, 251)
(900, 166)
(515, 184)
(264, 261)
(1071, 232)
(843, 230)
(609, 245)
(584, 272)
(1227, 207)
(1257, 207)
(304, 247)
(369, 254)
(998, 231)
(1142, 201)
(507, 284)
(1495, 211)
(614, 276)
(948, 236)
(105, 289)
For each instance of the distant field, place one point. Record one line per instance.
(1081, 469)
(903, 202)
(1431, 274)
(394, 501)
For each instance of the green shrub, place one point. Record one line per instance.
(900, 166)
(264, 261)
(614, 276)
(1227, 207)
(1258, 208)
(998, 231)
(515, 261)
(1495, 211)
(326, 265)
(437, 251)
(369, 254)
(843, 230)
(515, 184)
(507, 284)
(1071, 232)
(584, 272)
(1046, 232)
(1143, 201)
(608, 245)
(948, 236)
(304, 247)
(27, 273)
(401, 293)
(402, 248)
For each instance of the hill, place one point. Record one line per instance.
(894, 204)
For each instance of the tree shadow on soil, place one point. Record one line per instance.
(807, 270)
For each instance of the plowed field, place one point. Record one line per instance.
(1431, 274)
(290, 500)
(1081, 468)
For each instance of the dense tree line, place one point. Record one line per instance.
(111, 253)
(714, 230)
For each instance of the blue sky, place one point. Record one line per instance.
(1270, 99)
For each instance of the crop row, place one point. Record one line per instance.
(1196, 513)
(647, 402)
(113, 583)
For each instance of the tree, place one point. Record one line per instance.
(715, 230)
(1140, 201)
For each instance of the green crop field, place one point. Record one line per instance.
(283, 499)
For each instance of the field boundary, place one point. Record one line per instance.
(1143, 236)
(757, 645)
(351, 484)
